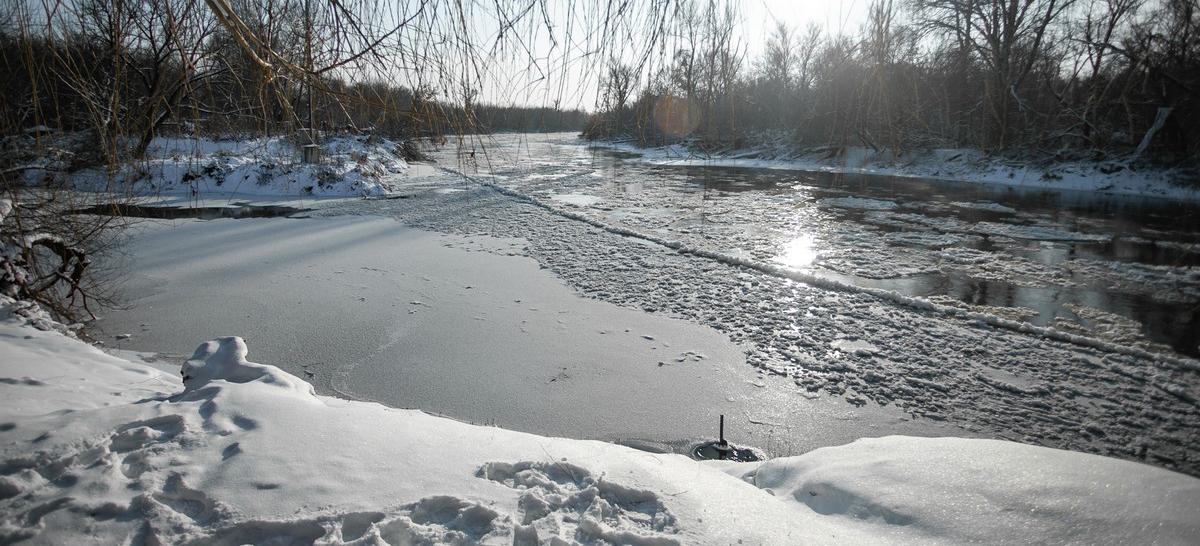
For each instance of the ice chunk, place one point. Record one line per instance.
(858, 203)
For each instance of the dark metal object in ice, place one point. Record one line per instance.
(723, 447)
(722, 450)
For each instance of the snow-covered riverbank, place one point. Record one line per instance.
(200, 168)
(102, 450)
(1116, 177)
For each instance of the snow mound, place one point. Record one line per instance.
(224, 359)
(976, 491)
(98, 450)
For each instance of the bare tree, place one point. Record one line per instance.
(1007, 37)
(806, 51)
(778, 64)
(617, 87)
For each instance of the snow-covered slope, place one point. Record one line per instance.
(96, 449)
(350, 166)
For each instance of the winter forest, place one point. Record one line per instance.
(1042, 78)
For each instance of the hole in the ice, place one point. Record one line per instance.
(722, 450)
(711, 451)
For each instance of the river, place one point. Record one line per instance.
(539, 284)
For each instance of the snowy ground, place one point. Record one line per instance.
(101, 450)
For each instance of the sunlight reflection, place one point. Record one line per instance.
(799, 252)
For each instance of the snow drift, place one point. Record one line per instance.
(97, 449)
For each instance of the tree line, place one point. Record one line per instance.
(125, 71)
(1055, 78)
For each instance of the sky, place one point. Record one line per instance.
(570, 64)
(564, 73)
(843, 15)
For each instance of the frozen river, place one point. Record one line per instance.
(1114, 267)
(551, 304)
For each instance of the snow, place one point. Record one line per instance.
(203, 168)
(225, 359)
(961, 165)
(97, 449)
(983, 491)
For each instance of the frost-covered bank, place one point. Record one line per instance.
(197, 167)
(98, 449)
(1115, 177)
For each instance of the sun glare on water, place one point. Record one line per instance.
(800, 252)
